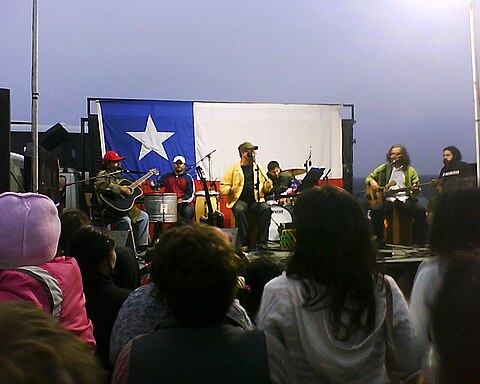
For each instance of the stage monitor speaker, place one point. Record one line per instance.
(123, 238)
(53, 137)
(232, 235)
(48, 173)
(4, 140)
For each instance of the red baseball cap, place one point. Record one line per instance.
(112, 156)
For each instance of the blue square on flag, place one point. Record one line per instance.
(148, 133)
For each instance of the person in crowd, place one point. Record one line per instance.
(396, 175)
(126, 273)
(180, 183)
(35, 349)
(109, 187)
(29, 270)
(245, 185)
(455, 228)
(143, 311)
(195, 276)
(280, 183)
(328, 307)
(455, 318)
(94, 251)
(257, 273)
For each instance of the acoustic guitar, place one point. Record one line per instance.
(125, 203)
(214, 218)
(375, 198)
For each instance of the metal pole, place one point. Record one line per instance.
(35, 97)
(476, 92)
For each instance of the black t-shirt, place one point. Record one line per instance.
(248, 187)
(454, 174)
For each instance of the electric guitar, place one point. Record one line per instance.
(375, 198)
(125, 203)
(214, 218)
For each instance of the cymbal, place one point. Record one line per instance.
(293, 172)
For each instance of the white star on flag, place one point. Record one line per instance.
(151, 140)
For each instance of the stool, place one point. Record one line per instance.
(398, 227)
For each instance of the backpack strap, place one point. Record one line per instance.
(49, 284)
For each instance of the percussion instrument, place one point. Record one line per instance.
(280, 215)
(161, 207)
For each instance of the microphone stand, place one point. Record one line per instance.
(203, 158)
(93, 178)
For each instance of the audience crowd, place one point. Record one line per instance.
(72, 309)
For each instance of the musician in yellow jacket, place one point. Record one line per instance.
(245, 184)
(108, 182)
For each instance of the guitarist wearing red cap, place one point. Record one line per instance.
(108, 187)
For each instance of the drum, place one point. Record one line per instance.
(201, 207)
(161, 207)
(280, 215)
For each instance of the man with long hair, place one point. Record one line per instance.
(397, 174)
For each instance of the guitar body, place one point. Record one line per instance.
(375, 198)
(214, 218)
(122, 203)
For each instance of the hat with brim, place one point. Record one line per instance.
(112, 156)
(179, 159)
(246, 146)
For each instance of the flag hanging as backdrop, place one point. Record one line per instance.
(150, 133)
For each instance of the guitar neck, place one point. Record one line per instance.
(135, 184)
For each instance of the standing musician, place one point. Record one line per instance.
(180, 183)
(108, 182)
(397, 174)
(455, 173)
(280, 183)
(245, 185)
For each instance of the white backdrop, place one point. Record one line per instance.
(283, 132)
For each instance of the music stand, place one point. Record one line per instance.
(310, 179)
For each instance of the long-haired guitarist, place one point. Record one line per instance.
(109, 184)
(395, 182)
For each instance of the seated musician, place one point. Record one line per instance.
(107, 183)
(245, 184)
(397, 174)
(180, 183)
(280, 183)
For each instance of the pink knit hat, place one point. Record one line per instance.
(29, 229)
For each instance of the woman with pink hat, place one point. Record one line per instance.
(29, 270)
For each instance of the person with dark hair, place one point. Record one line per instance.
(108, 184)
(455, 173)
(455, 323)
(257, 273)
(195, 275)
(70, 220)
(29, 270)
(245, 185)
(396, 174)
(328, 308)
(35, 349)
(455, 227)
(126, 272)
(180, 183)
(280, 183)
(94, 251)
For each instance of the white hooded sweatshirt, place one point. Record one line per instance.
(317, 356)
